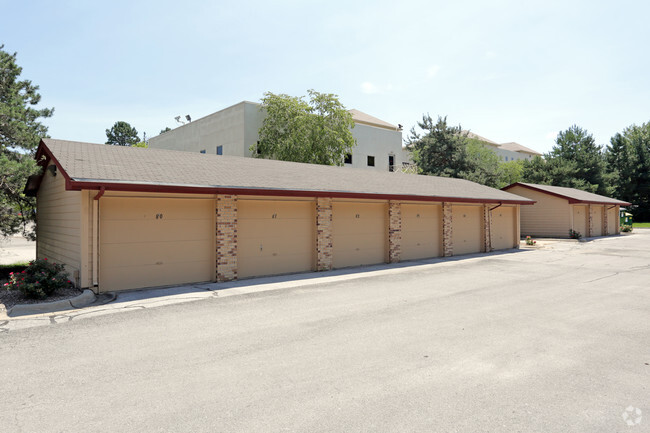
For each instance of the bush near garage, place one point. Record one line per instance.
(574, 234)
(626, 228)
(40, 279)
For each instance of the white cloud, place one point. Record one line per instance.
(432, 71)
(369, 88)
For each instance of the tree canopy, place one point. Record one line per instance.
(20, 133)
(448, 151)
(576, 161)
(122, 134)
(317, 131)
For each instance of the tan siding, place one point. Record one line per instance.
(359, 233)
(421, 231)
(503, 227)
(275, 237)
(549, 217)
(58, 227)
(467, 229)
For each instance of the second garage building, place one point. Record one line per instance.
(124, 218)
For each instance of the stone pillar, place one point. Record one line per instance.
(226, 237)
(618, 220)
(394, 232)
(487, 229)
(324, 234)
(447, 242)
(605, 221)
(590, 228)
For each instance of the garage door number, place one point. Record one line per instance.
(159, 216)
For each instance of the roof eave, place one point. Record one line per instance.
(96, 184)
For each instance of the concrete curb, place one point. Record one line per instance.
(80, 301)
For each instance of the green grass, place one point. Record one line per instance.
(641, 225)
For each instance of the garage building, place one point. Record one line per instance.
(124, 218)
(558, 210)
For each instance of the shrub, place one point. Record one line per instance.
(39, 280)
(574, 234)
(626, 228)
(530, 241)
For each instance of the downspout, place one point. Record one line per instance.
(490, 223)
(96, 237)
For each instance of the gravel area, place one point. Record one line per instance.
(9, 298)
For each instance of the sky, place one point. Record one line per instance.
(507, 70)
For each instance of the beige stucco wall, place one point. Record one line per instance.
(58, 224)
(237, 128)
(224, 128)
(549, 217)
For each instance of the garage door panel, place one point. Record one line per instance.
(466, 230)
(421, 231)
(152, 275)
(260, 227)
(128, 231)
(580, 219)
(163, 252)
(275, 237)
(148, 208)
(138, 249)
(503, 228)
(359, 233)
(612, 221)
(597, 221)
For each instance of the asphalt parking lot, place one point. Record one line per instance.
(551, 339)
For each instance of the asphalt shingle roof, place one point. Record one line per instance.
(516, 147)
(571, 194)
(89, 166)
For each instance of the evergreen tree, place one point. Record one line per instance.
(20, 133)
(122, 134)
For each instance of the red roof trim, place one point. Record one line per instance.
(79, 185)
(569, 199)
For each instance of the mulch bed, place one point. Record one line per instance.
(12, 297)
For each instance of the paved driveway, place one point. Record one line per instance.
(555, 339)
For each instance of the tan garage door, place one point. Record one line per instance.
(580, 219)
(359, 233)
(503, 228)
(612, 221)
(597, 223)
(421, 231)
(275, 237)
(466, 229)
(147, 242)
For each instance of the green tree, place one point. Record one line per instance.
(20, 133)
(483, 164)
(122, 134)
(317, 131)
(576, 161)
(510, 172)
(167, 129)
(440, 149)
(628, 157)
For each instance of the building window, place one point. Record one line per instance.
(371, 161)
(202, 151)
(219, 150)
(391, 163)
(348, 158)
